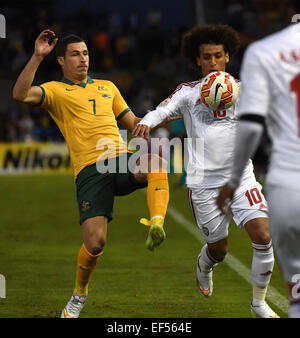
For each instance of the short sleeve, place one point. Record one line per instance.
(47, 100)
(255, 91)
(120, 107)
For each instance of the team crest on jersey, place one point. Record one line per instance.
(85, 205)
(205, 231)
(102, 88)
(164, 102)
(106, 95)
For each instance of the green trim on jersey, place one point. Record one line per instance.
(124, 112)
(43, 95)
(82, 84)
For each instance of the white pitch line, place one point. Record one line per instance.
(272, 295)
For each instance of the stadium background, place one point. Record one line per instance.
(135, 44)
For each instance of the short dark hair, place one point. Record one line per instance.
(63, 43)
(209, 34)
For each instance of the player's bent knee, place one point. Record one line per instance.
(264, 239)
(258, 230)
(149, 163)
(95, 245)
(218, 250)
(94, 234)
(218, 254)
(141, 177)
(156, 162)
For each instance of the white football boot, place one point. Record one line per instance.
(263, 311)
(74, 306)
(204, 278)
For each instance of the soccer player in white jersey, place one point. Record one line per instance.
(209, 47)
(271, 92)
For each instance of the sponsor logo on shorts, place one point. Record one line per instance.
(85, 205)
(205, 231)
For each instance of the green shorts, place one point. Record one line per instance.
(96, 191)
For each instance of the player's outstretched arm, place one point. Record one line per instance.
(23, 90)
(152, 120)
(129, 121)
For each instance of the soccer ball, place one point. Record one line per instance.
(219, 90)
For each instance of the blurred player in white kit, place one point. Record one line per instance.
(212, 135)
(271, 92)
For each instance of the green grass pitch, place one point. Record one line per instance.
(40, 237)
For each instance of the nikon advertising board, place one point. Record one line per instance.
(41, 158)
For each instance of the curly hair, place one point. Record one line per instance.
(209, 34)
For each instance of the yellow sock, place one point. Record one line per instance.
(86, 264)
(158, 193)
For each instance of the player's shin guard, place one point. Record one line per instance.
(262, 267)
(158, 193)
(206, 260)
(86, 264)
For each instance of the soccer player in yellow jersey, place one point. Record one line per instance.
(87, 111)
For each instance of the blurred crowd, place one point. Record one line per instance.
(142, 59)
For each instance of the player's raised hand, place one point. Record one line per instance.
(141, 130)
(42, 46)
(224, 199)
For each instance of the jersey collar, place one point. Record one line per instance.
(81, 84)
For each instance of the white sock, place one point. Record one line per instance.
(206, 261)
(262, 267)
(259, 295)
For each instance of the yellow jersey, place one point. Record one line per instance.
(87, 115)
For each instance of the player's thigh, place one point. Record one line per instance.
(211, 222)
(285, 228)
(249, 203)
(95, 193)
(127, 181)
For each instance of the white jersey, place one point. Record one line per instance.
(210, 136)
(272, 69)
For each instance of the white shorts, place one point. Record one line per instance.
(285, 229)
(248, 203)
